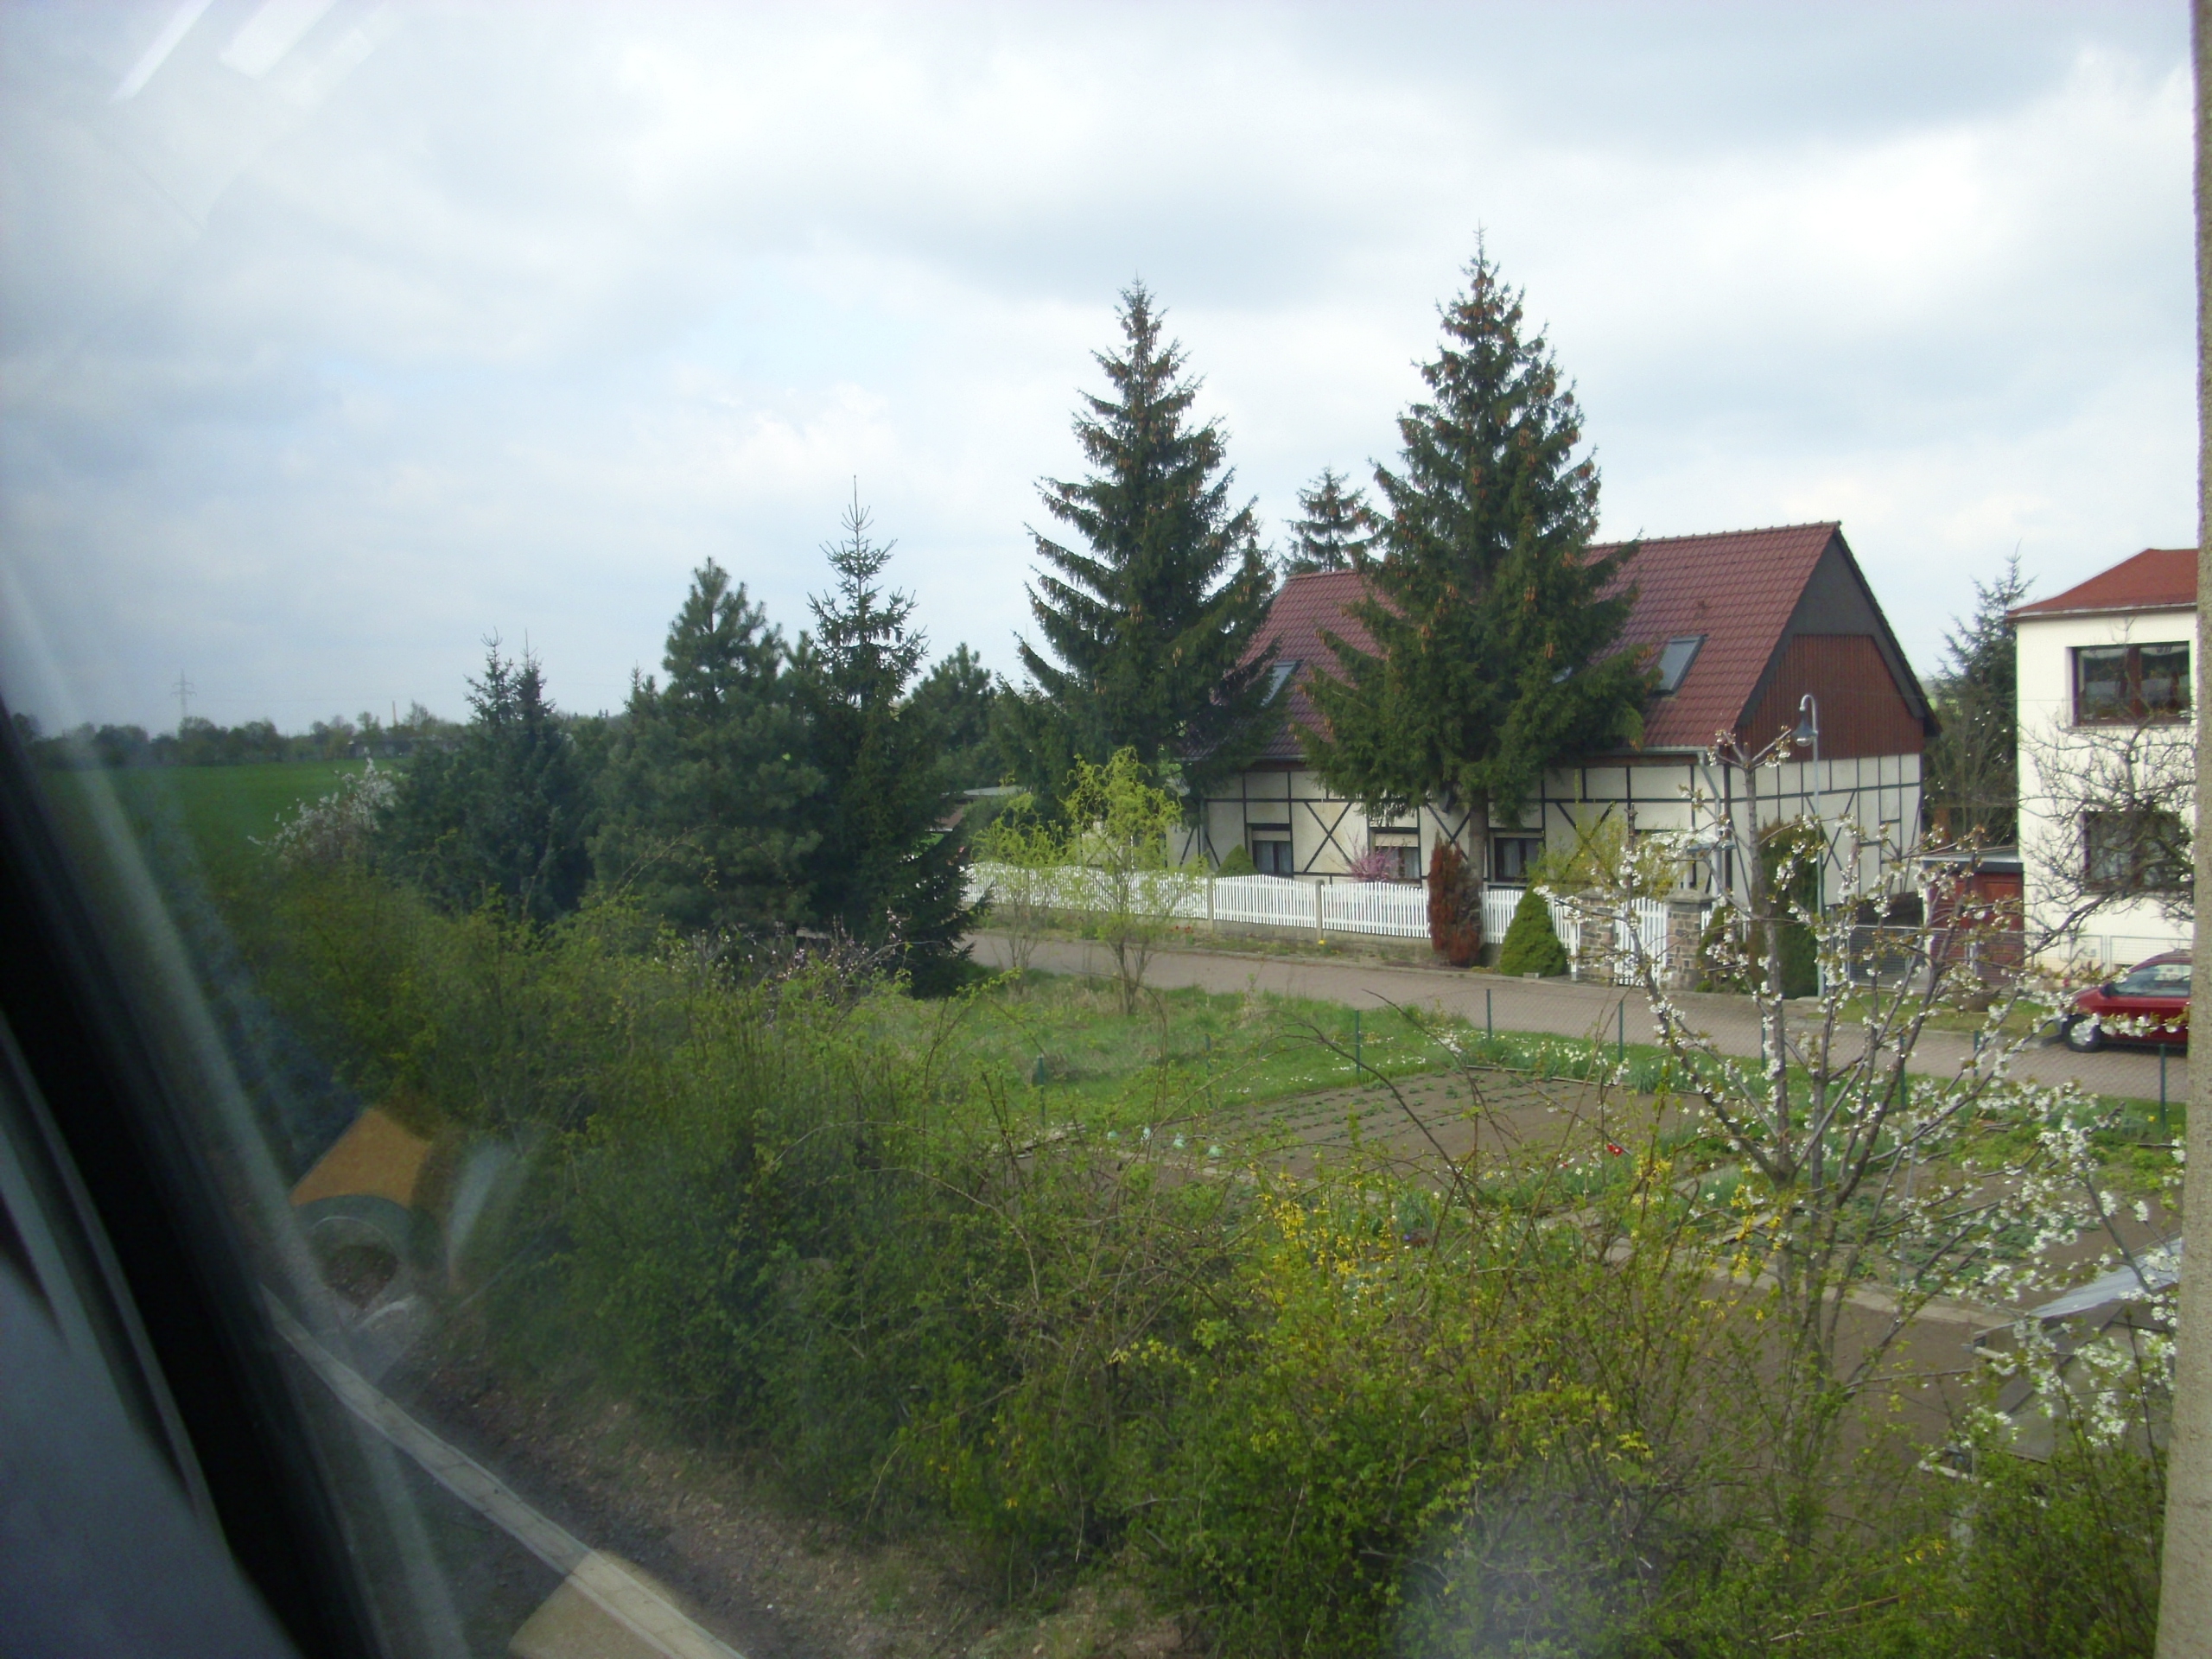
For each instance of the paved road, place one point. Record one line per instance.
(1565, 1009)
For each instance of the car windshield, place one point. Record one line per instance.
(872, 801)
(2155, 979)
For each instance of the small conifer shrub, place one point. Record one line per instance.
(1530, 946)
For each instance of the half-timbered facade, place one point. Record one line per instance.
(1753, 633)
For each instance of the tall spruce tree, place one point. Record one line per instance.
(1147, 628)
(1338, 526)
(1974, 765)
(504, 813)
(707, 787)
(883, 867)
(1492, 626)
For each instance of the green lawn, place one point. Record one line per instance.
(212, 813)
(221, 809)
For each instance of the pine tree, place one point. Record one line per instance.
(1973, 781)
(958, 701)
(1493, 634)
(1337, 529)
(1146, 627)
(883, 867)
(504, 813)
(706, 791)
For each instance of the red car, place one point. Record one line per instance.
(2147, 1004)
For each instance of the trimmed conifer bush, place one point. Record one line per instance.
(1455, 907)
(1530, 946)
(1238, 860)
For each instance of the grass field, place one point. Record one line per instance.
(218, 809)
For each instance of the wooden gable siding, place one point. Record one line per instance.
(1861, 710)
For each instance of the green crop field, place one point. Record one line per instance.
(216, 809)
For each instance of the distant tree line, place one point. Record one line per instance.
(200, 742)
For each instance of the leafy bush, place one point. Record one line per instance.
(1531, 946)
(1503, 1407)
(1238, 860)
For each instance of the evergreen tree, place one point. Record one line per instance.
(1337, 527)
(1146, 627)
(1493, 634)
(1531, 944)
(709, 780)
(957, 702)
(503, 812)
(1974, 777)
(883, 866)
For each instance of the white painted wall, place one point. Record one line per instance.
(1876, 796)
(2121, 932)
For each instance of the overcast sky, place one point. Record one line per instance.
(338, 337)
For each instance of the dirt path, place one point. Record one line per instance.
(1563, 1008)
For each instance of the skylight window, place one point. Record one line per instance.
(1282, 673)
(1674, 660)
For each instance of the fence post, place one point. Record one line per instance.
(1320, 932)
(1210, 880)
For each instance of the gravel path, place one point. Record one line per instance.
(1562, 1008)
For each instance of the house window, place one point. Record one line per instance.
(1399, 849)
(2118, 684)
(1271, 849)
(1511, 856)
(1674, 660)
(2142, 851)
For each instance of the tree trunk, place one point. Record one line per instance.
(2185, 1594)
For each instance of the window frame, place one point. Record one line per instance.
(2133, 710)
(2139, 864)
(1497, 843)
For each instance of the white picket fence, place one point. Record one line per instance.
(1392, 909)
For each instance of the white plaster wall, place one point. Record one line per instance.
(1879, 795)
(2122, 931)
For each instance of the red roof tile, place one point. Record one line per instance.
(1737, 589)
(2157, 578)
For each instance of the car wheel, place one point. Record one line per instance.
(2082, 1034)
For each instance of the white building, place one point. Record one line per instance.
(2104, 689)
(1750, 631)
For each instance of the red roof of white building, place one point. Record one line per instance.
(2157, 579)
(1737, 590)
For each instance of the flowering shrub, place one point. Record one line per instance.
(338, 828)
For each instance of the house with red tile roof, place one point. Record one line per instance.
(1743, 627)
(2104, 684)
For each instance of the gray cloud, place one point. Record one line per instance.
(453, 320)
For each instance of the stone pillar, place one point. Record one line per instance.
(1595, 950)
(1685, 934)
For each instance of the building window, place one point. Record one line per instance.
(1674, 660)
(1271, 849)
(1399, 849)
(1510, 857)
(2142, 851)
(2119, 684)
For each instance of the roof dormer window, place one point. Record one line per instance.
(1674, 660)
